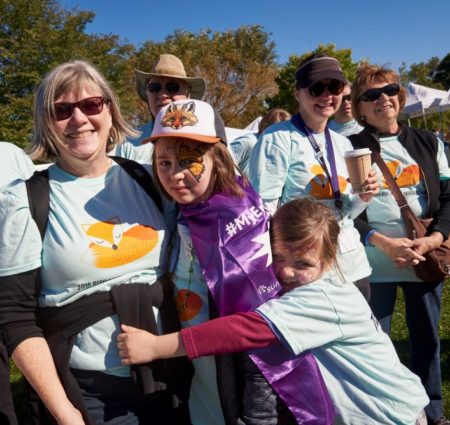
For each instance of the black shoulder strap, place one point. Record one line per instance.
(138, 173)
(38, 190)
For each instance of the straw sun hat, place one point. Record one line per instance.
(169, 66)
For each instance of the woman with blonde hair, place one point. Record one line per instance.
(63, 295)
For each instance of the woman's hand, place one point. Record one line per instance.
(32, 356)
(136, 345)
(71, 416)
(428, 243)
(400, 250)
(371, 185)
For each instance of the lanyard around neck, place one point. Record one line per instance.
(333, 176)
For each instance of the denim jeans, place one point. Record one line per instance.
(423, 307)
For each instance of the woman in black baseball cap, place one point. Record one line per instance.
(318, 89)
(303, 158)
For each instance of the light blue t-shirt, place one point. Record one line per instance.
(133, 148)
(241, 148)
(14, 164)
(363, 374)
(146, 131)
(283, 166)
(345, 128)
(102, 232)
(383, 213)
(193, 307)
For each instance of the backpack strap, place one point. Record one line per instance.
(38, 190)
(140, 175)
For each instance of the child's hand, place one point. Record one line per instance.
(136, 345)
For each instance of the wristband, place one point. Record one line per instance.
(366, 239)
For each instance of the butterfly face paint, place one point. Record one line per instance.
(191, 158)
(184, 169)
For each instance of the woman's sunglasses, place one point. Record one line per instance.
(374, 94)
(172, 87)
(335, 87)
(347, 98)
(89, 106)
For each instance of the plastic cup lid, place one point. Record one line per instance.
(357, 152)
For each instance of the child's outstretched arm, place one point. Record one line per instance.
(229, 334)
(139, 346)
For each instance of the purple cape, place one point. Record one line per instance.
(231, 240)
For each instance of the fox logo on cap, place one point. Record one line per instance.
(178, 116)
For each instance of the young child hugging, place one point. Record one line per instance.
(318, 311)
(224, 267)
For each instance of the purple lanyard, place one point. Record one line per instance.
(333, 178)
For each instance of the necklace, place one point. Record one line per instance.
(183, 306)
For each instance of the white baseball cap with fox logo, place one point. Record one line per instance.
(189, 119)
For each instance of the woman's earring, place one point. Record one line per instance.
(363, 118)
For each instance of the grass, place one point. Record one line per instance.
(399, 336)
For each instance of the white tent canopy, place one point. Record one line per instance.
(234, 133)
(254, 125)
(422, 101)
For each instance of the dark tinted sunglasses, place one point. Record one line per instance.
(89, 106)
(374, 94)
(172, 87)
(335, 87)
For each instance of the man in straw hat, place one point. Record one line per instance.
(166, 83)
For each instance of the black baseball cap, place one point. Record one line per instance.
(318, 69)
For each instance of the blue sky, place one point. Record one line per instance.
(385, 32)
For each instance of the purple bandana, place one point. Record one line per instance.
(231, 240)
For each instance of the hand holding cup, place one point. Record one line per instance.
(363, 178)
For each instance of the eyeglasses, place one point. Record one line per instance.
(172, 87)
(347, 98)
(373, 94)
(335, 87)
(89, 106)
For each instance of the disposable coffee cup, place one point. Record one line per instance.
(359, 165)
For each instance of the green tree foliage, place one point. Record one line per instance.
(37, 35)
(420, 73)
(286, 76)
(442, 73)
(238, 65)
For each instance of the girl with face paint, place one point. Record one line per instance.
(317, 312)
(224, 267)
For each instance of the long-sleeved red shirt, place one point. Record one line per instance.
(228, 334)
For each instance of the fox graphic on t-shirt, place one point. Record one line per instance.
(111, 245)
(320, 187)
(404, 177)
